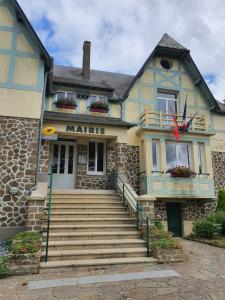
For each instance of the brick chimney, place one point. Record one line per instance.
(86, 59)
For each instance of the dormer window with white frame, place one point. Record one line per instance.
(65, 100)
(98, 104)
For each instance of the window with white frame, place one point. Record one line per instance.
(155, 156)
(66, 95)
(177, 154)
(201, 158)
(96, 158)
(95, 98)
(167, 102)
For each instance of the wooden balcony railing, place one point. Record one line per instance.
(153, 119)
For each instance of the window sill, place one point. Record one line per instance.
(96, 173)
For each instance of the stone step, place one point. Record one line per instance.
(97, 220)
(97, 262)
(88, 213)
(86, 235)
(94, 244)
(83, 192)
(91, 227)
(86, 201)
(87, 208)
(95, 253)
(88, 205)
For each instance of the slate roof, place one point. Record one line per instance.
(80, 118)
(113, 82)
(168, 42)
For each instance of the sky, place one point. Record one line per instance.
(124, 32)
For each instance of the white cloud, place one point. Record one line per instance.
(124, 32)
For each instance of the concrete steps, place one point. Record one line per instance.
(91, 228)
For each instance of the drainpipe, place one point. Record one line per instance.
(40, 132)
(121, 109)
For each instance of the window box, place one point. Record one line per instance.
(181, 171)
(100, 110)
(65, 103)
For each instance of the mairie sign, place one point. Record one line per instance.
(84, 129)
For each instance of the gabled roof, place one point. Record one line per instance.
(23, 19)
(115, 83)
(167, 46)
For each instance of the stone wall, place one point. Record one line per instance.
(218, 163)
(24, 264)
(190, 209)
(18, 154)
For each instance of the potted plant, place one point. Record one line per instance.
(65, 103)
(99, 106)
(181, 171)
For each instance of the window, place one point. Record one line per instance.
(177, 155)
(96, 158)
(166, 64)
(94, 98)
(66, 95)
(201, 158)
(166, 102)
(155, 155)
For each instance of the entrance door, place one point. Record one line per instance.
(174, 218)
(63, 165)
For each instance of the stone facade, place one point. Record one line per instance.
(218, 163)
(24, 264)
(168, 255)
(18, 155)
(191, 210)
(35, 216)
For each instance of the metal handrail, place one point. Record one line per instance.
(129, 198)
(49, 197)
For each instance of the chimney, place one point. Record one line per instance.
(86, 59)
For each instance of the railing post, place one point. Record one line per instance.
(147, 229)
(137, 216)
(123, 196)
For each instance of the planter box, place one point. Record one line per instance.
(182, 176)
(100, 110)
(24, 263)
(168, 255)
(66, 106)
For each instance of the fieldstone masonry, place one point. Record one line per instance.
(18, 154)
(218, 163)
(35, 216)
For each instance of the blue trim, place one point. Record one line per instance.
(6, 28)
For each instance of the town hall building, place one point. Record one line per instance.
(81, 125)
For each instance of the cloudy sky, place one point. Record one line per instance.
(124, 32)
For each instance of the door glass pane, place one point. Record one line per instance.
(162, 105)
(70, 159)
(172, 105)
(55, 159)
(182, 155)
(91, 159)
(62, 159)
(100, 157)
(171, 156)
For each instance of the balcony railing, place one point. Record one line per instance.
(159, 120)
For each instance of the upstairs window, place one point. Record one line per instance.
(201, 158)
(177, 154)
(155, 156)
(66, 95)
(167, 101)
(98, 103)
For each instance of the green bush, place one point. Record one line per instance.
(218, 218)
(159, 225)
(166, 243)
(4, 266)
(26, 242)
(221, 200)
(207, 228)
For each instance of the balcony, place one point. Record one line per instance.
(154, 120)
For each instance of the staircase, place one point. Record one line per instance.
(91, 228)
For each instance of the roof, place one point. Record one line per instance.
(22, 18)
(115, 83)
(168, 42)
(81, 118)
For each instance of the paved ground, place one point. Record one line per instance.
(202, 277)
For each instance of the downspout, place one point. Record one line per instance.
(121, 109)
(40, 132)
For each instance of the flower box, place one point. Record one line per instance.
(65, 103)
(67, 106)
(181, 171)
(100, 110)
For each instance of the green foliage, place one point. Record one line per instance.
(221, 200)
(166, 243)
(218, 218)
(207, 228)
(26, 242)
(159, 225)
(4, 266)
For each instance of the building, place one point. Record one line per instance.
(104, 121)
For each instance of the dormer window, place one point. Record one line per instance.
(65, 100)
(98, 104)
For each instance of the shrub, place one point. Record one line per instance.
(166, 243)
(221, 200)
(206, 228)
(4, 266)
(158, 225)
(26, 242)
(218, 218)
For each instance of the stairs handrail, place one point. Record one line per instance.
(49, 204)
